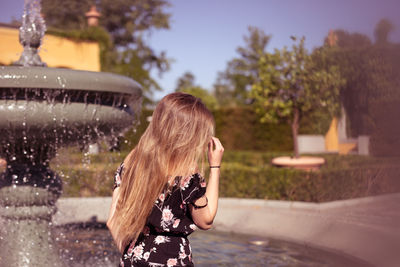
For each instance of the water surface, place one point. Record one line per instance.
(92, 245)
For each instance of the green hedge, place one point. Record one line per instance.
(240, 128)
(385, 139)
(321, 186)
(87, 182)
(249, 174)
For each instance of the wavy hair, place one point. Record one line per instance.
(174, 144)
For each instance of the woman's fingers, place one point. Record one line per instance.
(217, 143)
(217, 146)
(215, 152)
(210, 144)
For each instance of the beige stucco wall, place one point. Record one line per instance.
(55, 51)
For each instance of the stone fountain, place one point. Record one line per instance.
(41, 110)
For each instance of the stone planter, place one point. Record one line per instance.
(303, 163)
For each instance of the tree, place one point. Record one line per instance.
(369, 71)
(68, 15)
(235, 82)
(291, 85)
(371, 94)
(382, 30)
(130, 63)
(345, 39)
(127, 22)
(186, 84)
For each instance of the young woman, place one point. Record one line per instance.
(160, 195)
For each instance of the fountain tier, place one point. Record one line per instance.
(68, 105)
(42, 109)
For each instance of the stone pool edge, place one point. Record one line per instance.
(365, 228)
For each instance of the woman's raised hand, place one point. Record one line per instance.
(215, 152)
(204, 218)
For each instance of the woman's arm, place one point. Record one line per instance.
(204, 217)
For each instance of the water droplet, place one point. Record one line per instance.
(61, 81)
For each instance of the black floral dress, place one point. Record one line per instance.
(163, 242)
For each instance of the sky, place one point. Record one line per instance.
(204, 34)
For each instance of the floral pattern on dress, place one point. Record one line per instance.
(163, 241)
(166, 218)
(117, 176)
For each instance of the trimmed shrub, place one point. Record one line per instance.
(385, 139)
(131, 137)
(248, 174)
(239, 128)
(96, 180)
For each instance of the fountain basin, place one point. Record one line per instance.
(67, 122)
(349, 228)
(42, 109)
(57, 78)
(62, 107)
(91, 244)
(47, 96)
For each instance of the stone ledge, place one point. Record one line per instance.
(366, 228)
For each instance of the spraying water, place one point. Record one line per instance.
(41, 110)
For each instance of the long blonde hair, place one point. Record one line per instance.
(172, 145)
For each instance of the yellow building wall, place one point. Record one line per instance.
(332, 143)
(332, 137)
(55, 51)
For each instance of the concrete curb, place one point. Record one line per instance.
(366, 228)
(353, 227)
(74, 209)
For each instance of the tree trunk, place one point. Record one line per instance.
(295, 128)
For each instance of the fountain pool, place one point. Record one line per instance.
(91, 244)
